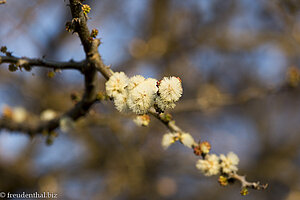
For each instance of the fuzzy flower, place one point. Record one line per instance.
(135, 81)
(187, 140)
(168, 139)
(163, 105)
(141, 98)
(116, 84)
(210, 166)
(142, 120)
(153, 82)
(120, 102)
(170, 89)
(229, 163)
(47, 115)
(19, 114)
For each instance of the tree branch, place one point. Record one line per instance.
(93, 64)
(164, 119)
(43, 63)
(94, 58)
(90, 45)
(33, 128)
(246, 184)
(171, 125)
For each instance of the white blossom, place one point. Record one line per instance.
(135, 81)
(210, 166)
(170, 89)
(229, 163)
(66, 124)
(168, 139)
(19, 114)
(120, 102)
(48, 115)
(141, 98)
(163, 105)
(116, 84)
(152, 82)
(187, 139)
(142, 120)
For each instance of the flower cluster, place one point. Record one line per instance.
(138, 94)
(185, 138)
(213, 164)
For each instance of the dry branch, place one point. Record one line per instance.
(37, 62)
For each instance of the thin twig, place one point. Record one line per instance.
(246, 184)
(90, 45)
(43, 63)
(171, 125)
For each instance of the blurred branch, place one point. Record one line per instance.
(207, 103)
(33, 128)
(92, 63)
(2, 1)
(23, 61)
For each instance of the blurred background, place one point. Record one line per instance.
(238, 60)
